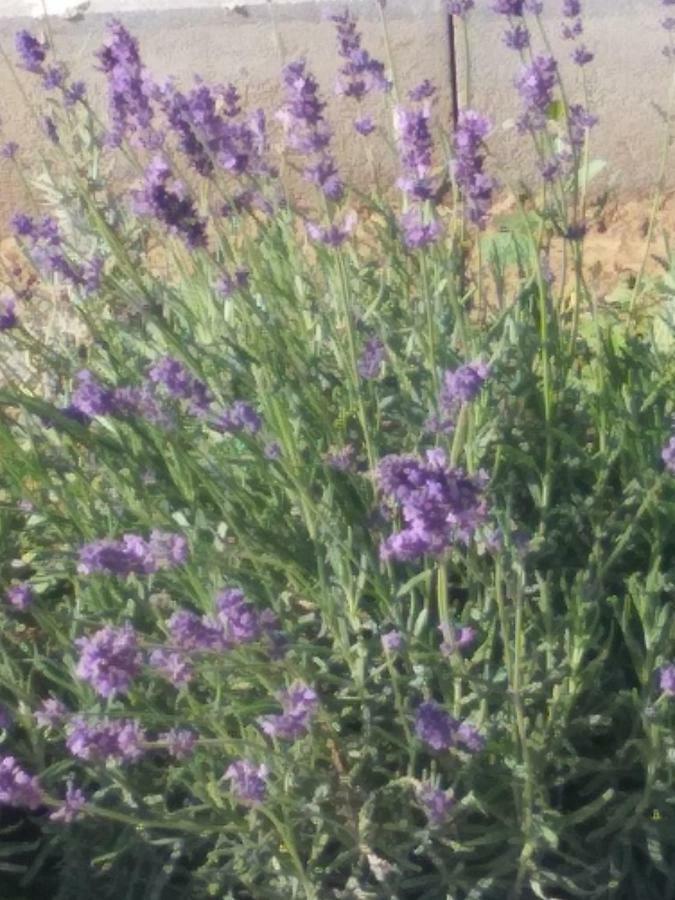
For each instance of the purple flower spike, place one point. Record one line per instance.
(32, 51)
(299, 704)
(462, 385)
(470, 738)
(439, 505)
(423, 91)
(582, 56)
(535, 85)
(180, 742)
(364, 125)
(371, 359)
(173, 665)
(571, 8)
(517, 38)
(109, 660)
(435, 726)
(668, 455)
(460, 8)
(248, 781)
(163, 198)
(72, 806)
(117, 740)
(457, 639)
(392, 641)
(133, 555)
(468, 162)
(89, 397)
(237, 418)
(20, 596)
(508, 7)
(667, 680)
(9, 150)
(239, 618)
(8, 318)
(334, 235)
(51, 714)
(17, 787)
(436, 803)
(416, 150)
(419, 232)
(360, 73)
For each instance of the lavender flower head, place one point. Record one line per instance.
(581, 55)
(508, 7)
(440, 505)
(115, 740)
(129, 89)
(237, 418)
(517, 37)
(419, 231)
(109, 660)
(20, 595)
(571, 8)
(32, 51)
(333, 235)
(17, 787)
(342, 459)
(51, 714)
(239, 618)
(460, 8)
(8, 317)
(227, 284)
(468, 162)
(535, 85)
(180, 742)
(435, 726)
(172, 375)
(133, 555)
(299, 704)
(248, 781)
(175, 666)
(470, 738)
(668, 455)
(667, 680)
(435, 802)
(463, 384)
(360, 73)
(372, 356)
(9, 150)
(392, 641)
(456, 639)
(72, 806)
(90, 398)
(416, 150)
(364, 125)
(167, 200)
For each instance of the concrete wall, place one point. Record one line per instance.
(226, 42)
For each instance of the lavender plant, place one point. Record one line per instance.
(331, 567)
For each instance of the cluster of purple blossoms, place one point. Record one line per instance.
(370, 362)
(172, 375)
(9, 150)
(180, 742)
(176, 667)
(535, 85)
(129, 88)
(435, 802)
(109, 660)
(227, 284)
(419, 230)
(247, 781)
(580, 121)
(467, 165)
(299, 703)
(8, 317)
(241, 621)
(435, 727)
(20, 596)
(440, 505)
(582, 56)
(17, 787)
(460, 8)
(71, 808)
(462, 385)
(306, 129)
(415, 143)
(456, 639)
(90, 399)
(44, 245)
(333, 235)
(517, 37)
(32, 51)
(364, 125)
(189, 632)
(668, 455)
(392, 641)
(360, 73)
(237, 418)
(508, 7)
(572, 10)
(115, 740)
(343, 459)
(209, 132)
(667, 680)
(133, 555)
(163, 198)
(51, 714)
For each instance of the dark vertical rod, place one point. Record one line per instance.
(454, 89)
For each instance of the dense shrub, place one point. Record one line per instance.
(336, 532)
